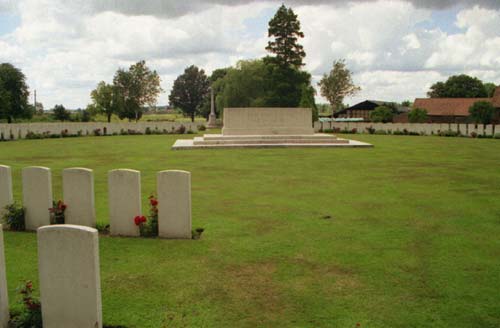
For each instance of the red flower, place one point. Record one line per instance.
(153, 202)
(63, 207)
(137, 220)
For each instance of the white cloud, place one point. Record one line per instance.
(477, 48)
(66, 47)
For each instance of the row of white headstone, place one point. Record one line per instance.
(124, 191)
(69, 277)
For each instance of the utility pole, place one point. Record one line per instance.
(34, 105)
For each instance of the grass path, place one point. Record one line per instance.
(412, 240)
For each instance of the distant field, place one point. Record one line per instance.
(402, 235)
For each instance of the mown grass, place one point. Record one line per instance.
(412, 238)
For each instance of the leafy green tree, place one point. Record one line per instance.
(106, 99)
(13, 94)
(284, 84)
(338, 84)
(135, 88)
(262, 83)
(60, 113)
(189, 91)
(490, 89)
(382, 114)
(406, 103)
(482, 112)
(284, 28)
(216, 75)
(417, 115)
(459, 86)
(307, 101)
(243, 85)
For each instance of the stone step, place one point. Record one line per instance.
(201, 141)
(270, 137)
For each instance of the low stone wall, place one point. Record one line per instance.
(420, 128)
(20, 130)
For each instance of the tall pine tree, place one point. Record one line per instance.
(284, 27)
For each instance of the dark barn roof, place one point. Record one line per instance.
(371, 105)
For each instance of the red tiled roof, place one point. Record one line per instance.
(450, 106)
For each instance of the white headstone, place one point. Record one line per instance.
(124, 191)
(37, 196)
(174, 204)
(5, 187)
(78, 192)
(4, 297)
(70, 287)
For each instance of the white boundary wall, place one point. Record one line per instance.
(421, 128)
(19, 130)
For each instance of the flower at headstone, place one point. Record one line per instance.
(57, 212)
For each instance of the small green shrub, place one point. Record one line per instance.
(14, 217)
(31, 314)
(381, 132)
(201, 127)
(347, 131)
(180, 130)
(196, 233)
(103, 228)
(451, 133)
(497, 136)
(33, 135)
(370, 130)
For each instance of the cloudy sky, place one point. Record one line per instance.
(396, 49)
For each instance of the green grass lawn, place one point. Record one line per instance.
(413, 238)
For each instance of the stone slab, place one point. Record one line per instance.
(187, 144)
(70, 287)
(78, 192)
(174, 204)
(37, 196)
(124, 192)
(6, 197)
(4, 297)
(267, 121)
